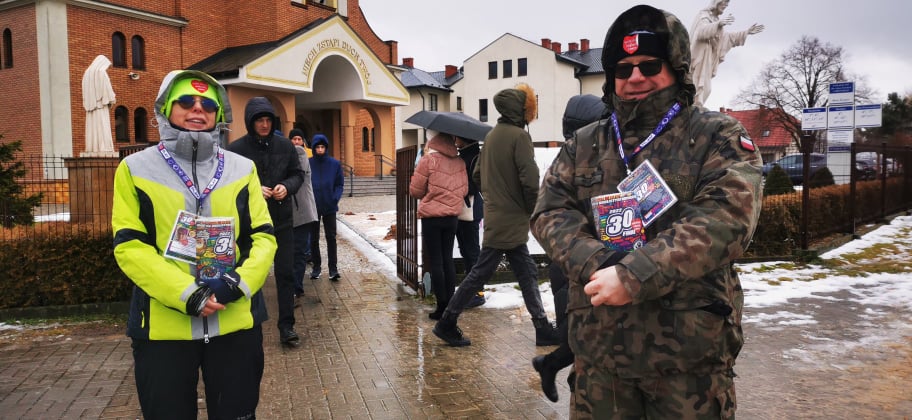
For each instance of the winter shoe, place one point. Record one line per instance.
(547, 373)
(447, 330)
(476, 301)
(289, 337)
(453, 336)
(546, 333)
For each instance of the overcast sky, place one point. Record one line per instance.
(437, 33)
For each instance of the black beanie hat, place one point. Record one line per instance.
(295, 132)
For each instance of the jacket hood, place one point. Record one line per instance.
(319, 139)
(180, 142)
(516, 106)
(444, 144)
(665, 26)
(256, 108)
(581, 110)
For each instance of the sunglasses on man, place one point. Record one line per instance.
(647, 68)
(188, 101)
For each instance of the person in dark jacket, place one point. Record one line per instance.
(467, 230)
(580, 111)
(281, 176)
(328, 184)
(508, 177)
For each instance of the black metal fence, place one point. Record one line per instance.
(76, 194)
(870, 183)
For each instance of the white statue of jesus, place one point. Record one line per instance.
(710, 43)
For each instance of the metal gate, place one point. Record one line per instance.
(407, 263)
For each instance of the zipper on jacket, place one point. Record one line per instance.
(206, 330)
(199, 203)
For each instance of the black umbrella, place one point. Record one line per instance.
(455, 123)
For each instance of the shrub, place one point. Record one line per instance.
(821, 178)
(15, 208)
(777, 182)
(61, 268)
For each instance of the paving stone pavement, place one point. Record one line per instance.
(368, 352)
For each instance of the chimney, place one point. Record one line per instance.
(584, 45)
(450, 71)
(556, 47)
(573, 46)
(408, 62)
(546, 42)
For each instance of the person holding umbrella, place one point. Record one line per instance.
(441, 184)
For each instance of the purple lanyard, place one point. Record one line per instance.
(672, 112)
(189, 182)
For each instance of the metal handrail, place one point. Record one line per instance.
(383, 160)
(351, 177)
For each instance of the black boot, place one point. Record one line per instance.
(447, 330)
(546, 333)
(547, 373)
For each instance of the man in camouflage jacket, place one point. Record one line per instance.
(655, 331)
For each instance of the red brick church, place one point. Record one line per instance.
(318, 62)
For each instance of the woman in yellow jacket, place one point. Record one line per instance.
(186, 315)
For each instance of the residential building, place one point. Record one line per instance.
(767, 131)
(555, 75)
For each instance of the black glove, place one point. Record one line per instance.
(225, 288)
(197, 301)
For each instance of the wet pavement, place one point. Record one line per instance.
(368, 352)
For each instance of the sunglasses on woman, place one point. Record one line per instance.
(647, 68)
(188, 101)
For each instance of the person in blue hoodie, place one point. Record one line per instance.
(328, 183)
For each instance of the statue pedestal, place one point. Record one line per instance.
(91, 182)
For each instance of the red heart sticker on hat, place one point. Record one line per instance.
(631, 43)
(199, 85)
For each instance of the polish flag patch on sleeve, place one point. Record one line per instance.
(747, 144)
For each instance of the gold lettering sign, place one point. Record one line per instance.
(335, 45)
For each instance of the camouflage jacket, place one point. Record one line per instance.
(687, 300)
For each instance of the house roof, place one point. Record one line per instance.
(413, 78)
(762, 127)
(225, 63)
(590, 60)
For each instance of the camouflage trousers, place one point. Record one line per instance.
(602, 395)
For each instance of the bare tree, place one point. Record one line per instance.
(800, 79)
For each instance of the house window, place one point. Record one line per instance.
(521, 67)
(7, 49)
(765, 133)
(140, 125)
(118, 50)
(492, 70)
(459, 103)
(507, 68)
(483, 110)
(121, 127)
(432, 102)
(139, 52)
(365, 139)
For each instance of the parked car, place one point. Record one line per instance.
(794, 166)
(865, 170)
